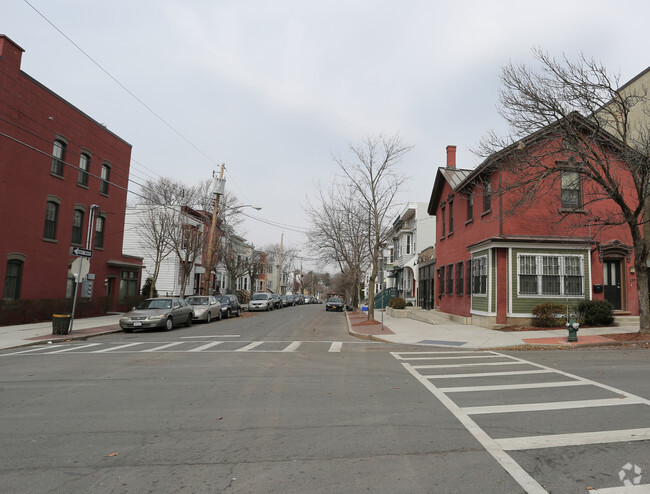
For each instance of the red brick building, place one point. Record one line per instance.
(493, 266)
(62, 175)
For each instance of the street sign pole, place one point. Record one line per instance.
(74, 298)
(80, 268)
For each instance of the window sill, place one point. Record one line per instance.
(105, 194)
(83, 186)
(56, 175)
(568, 211)
(485, 213)
(450, 234)
(469, 221)
(50, 240)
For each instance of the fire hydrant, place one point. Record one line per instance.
(573, 326)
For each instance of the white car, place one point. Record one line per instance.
(261, 301)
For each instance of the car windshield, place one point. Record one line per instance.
(335, 301)
(259, 296)
(198, 301)
(223, 299)
(163, 303)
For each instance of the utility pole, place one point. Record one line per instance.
(280, 265)
(219, 190)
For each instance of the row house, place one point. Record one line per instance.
(412, 231)
(63, 185)
(493, 266)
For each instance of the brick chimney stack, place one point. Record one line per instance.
(10, 53)
(451, 156)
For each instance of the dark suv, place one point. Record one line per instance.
(229, 305)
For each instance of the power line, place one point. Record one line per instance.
(167, 124)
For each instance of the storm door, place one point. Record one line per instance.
(612, 282)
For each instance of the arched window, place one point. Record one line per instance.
(105, 178)
(84, 167)
(100, 224)
(51, 216)
(58, 156)
(77, 226)
(13, 277)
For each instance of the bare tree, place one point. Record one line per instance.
(375, 178)
(576, 109)
(339, 231)
(153, 224)
(253, 266)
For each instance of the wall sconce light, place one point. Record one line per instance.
(632, 270)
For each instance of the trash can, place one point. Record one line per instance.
(60, 323)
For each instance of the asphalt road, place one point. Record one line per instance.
(287, 401)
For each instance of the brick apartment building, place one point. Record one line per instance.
(63, 176)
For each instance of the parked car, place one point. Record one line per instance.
(299, 299)
(162, 312)
(229, 305)
(277, 301)
(334, 303)
(287, 300)
(206, 308)
(260, 301)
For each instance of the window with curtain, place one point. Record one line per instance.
(58, 157)
(77, 226)
(84, 167)
(100, 226)
(105, 178)
(51, 216)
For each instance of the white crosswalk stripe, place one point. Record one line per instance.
(188, 346)
(530, 373)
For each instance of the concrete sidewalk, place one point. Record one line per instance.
(41, 332)
(439, 332)
(443, 332)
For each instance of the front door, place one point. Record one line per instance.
(612, 283)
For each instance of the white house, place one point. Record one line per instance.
(413, 231)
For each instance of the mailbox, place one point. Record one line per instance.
(598, 288)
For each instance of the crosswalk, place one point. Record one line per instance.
(186, 346)
(488, 391)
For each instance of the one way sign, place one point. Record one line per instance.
(77, 251)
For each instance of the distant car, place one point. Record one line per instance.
(229, 305)
(299, 299)
(260, 301)
(205, 308)
(277, 301)
(287, 300)
(334, 303)
(162, 312)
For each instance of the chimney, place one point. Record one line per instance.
(451, 156)
(10, 53)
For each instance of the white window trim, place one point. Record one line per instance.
(539, 273)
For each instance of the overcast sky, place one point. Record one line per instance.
(274, 88)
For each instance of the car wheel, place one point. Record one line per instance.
(219, 315)
(169, 324)
(208, 318)
(188, 323)
(127, 330)
(228, 314)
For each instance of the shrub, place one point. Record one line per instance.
(409, 304)
(397, 303)
(596, 312)
(549, 315)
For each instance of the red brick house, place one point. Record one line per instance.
(495, 262)
(63, 176)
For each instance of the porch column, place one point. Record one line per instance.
(502, 286)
